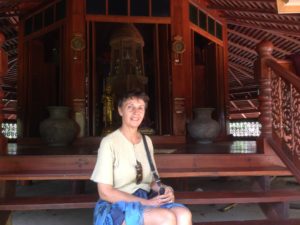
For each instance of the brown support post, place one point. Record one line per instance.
(5, 187)
(181, 66)
(265, 50)
(3, 71)
(75, 58)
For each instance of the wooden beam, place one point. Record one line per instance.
(237, 60)
(267, 29)
(245, 89)
(244, 98)
(252, 52)
(235, 77)
(254, 40)
(234, 105)
(248, 61)
(262, 20)
(243, 9)
(241, 71)
(251, 103)
(242, 68)
(244, 111)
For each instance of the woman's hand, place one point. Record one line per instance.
(170, 193)
(167, 197)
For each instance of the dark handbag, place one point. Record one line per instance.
(155, 175)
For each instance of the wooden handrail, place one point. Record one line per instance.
(279, 103)
(284, 73)
(282, 151)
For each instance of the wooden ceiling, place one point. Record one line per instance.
(249, 22)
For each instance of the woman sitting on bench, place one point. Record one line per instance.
(129, 187)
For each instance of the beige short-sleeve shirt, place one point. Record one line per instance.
(116, 163)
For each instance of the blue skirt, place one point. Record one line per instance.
(106, 213)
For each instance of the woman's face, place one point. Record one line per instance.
(132, 112)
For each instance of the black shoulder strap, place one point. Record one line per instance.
(155, 175)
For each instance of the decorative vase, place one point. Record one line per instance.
(203, 128)
(58, 129)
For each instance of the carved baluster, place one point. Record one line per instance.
(3, 71)
(265, 50)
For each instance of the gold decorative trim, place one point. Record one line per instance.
(178, 45)
(77, 42)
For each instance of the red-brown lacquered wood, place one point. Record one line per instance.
(222, 197)
(3, 71)
(49, 202)
(253, 222)
(265, 50)
(189, 198)
(79, 167)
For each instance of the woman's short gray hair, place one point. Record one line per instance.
(133, 94)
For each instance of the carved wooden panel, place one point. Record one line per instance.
(276, 105)
(286, 114)
(296, 121)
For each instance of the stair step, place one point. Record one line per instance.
(188, 198)
(223, 197)
(253, 222)
(48, 202)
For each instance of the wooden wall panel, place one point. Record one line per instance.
(163, 80)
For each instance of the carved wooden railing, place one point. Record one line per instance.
(280, 108)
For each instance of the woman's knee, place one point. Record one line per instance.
(170, 217)
(160, 217)
(182, 215)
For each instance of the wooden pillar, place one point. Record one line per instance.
(181, 71)
(6, 188)
(3, 71)
(224, 100)
(263, 74)
(265, 50)
(75, 53)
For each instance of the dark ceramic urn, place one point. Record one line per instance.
(203, 128)
(58, 129)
